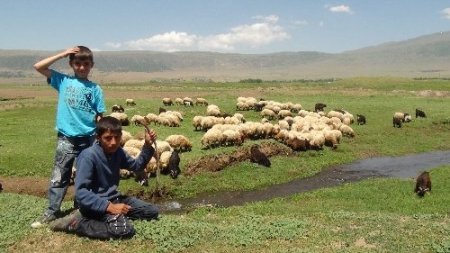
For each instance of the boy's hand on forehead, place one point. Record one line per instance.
(72, 50)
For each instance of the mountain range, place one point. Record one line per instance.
(426, 56)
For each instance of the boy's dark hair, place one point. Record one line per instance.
(108, 123)
(84, 54)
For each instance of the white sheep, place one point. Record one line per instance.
(130, 101)
(179, 142)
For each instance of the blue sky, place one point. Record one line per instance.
(229, 26)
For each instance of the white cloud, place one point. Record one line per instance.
(340, 8)
(446, 13)
(251, 35)
(169, 42)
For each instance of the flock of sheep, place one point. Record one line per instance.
(285, 122)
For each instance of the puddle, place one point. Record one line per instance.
(408, 166)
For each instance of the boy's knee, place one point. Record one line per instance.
(120, 226)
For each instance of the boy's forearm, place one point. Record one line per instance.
(43, 65)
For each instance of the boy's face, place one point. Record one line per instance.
(110, 141)
(81, 68)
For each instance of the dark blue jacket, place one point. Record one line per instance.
(98, 175)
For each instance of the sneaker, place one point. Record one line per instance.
(67, 223)
(44, 219)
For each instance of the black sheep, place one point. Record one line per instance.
(256, 156)
(423, 184)
(319, 107)
(420, 113)
(174, 165)
(161, 110)
(117, 108)
(396, 122)
(1, 187)
(361, 119)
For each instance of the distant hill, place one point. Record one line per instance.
(425, 56)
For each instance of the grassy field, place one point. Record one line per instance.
(376, 215)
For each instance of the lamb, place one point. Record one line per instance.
(256, 156)
(361, 119)
(179, 142)
(420, 113)
(167, 101)
(396, 122)
(130, 101)
(423, 184)
(117, 108)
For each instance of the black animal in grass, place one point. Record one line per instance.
(396, 122)
(173, 167)
(117, 108)
(257, 156)
(319, 107)
(361, 119)
(420, 114)
(1, 187)
(423, 184)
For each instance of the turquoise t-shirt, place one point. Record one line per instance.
(79, 101)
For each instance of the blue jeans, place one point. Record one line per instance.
(109, 226)
(67, 149)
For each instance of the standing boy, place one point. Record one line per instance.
(104, 213)
(80, 105)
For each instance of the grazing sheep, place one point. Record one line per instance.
(269, 114)
(319, 107)
(179, 142)
(130, 101)
(256, 156)
(347, 130)
(423, 184)
(420, 113)
(201, 101)
(117, 108)
(167, 101)
(361, 119)
(160, 110)
(396, 122)
(174, 165)
(178, 101)
(400, 117)
(187, 101)
(139, 120)
(122, 117)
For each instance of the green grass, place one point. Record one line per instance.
(376, 215)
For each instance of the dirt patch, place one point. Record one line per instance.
(214, 163)
(30, 186)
